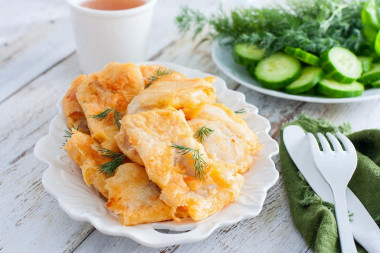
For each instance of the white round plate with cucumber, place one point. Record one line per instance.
(281, 75)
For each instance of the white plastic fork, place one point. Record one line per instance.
(337, 167)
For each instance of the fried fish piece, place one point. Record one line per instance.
(174, 92)
(113, 88)
(231, 140)
(71, 108)
(153, 134)
(83, 150)
(150, 72)
(134, 197)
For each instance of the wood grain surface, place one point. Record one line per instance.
(38, 62)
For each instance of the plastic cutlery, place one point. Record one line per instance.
(364, 228)
(337, 167)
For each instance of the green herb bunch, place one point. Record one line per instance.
(312, 25)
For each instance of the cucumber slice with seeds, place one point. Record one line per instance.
(247, 55)
(366, 62)
(277, 71)
(341, 65)
(335, 89)
(310, 76)
(302, 55)
(371, 76)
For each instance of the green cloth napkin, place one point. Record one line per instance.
(314, 218)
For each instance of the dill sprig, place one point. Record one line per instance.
(116, 115)
(68, 134)
(202, 133)
(159, 72)
(314, 26)
(198, 162)
(110, 167)
(241, 111)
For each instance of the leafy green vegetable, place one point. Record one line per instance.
(110, 167)
(314, 26)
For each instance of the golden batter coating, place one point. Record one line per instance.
(71, 107)
(173, 92)
(134, 197)
(83, 150)
(231, 140)
(152, 134)
(112, 88)
(149, 71)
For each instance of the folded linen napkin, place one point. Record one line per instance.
(314, 218)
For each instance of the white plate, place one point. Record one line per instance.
(222, 56)
(63, 180)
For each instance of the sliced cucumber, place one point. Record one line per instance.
(302, 55)
(335, 89)
(277, 70)
(366, 62)
(371, 76)
(375, 84)
(310, 76)
(377, 43)
(341, 65)
(247, 55)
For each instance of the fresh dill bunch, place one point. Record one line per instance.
(202, 133)
(314, 26)
(241, 111)
(198, 162)
(116, 115)
(110, 167)
(159, 72)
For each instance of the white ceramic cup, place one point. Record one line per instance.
(103, 36)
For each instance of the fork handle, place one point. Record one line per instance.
(347, 242)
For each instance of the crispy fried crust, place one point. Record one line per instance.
(113, 87)
(231, 140)
(71, 108)
(177, 93)
(82, 149)
(148, 71)
(134, 197)
(152, 133)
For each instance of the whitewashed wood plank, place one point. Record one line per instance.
(53, 42)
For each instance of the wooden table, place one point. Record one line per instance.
(38, 61)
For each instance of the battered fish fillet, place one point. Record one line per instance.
(152, 133)
(134, 197)
(148, 71)
(71, 107)
(176, 93)
(112, 88)
(82, 149)
(231, 140)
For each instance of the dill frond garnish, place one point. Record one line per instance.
(202, 133)
(110, 167)
(198, 162)
(314, 26)
(241, 111)
(68, 134)
(116, 115)
(159, 72)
